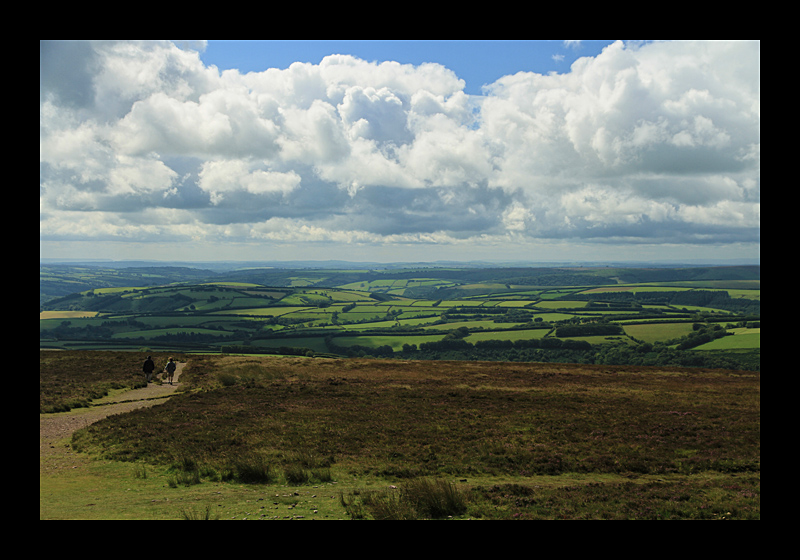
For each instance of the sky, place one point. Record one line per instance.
(387, 151)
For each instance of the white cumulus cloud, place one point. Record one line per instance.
(658, 141)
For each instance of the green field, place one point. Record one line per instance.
(514, 335)
(396, 342)
(653, 332)
(742, 340)
(561, 304)
(460, 310)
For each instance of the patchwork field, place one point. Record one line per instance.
(594, 316)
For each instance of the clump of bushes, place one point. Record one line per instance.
(252, 468)
(420, 498)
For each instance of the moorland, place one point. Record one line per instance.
(457, 393)
(267, 437)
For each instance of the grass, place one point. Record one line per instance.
(253, 470)
(421, 498)
(396, 342)
(655, 332)
(95, 489)
(66, 314)
(204, 515)
(513, 335)
(738, 341)
(511, 441)
(561, 304)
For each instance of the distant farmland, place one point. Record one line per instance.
(484, 314)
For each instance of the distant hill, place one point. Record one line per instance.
(60, 280)
(634, 275)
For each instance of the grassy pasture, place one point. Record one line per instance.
(526, 334)
(374, 341)
(457, 303)
(656, 332)
(561, 304)
(553, 317)
(700, 309)
(298, 282)
(516, 303)
(397, 286)
(739, 341)
(126, 292)
(520, 292)
(264, 311)
(634, 288)
(477, 324)
(557, 293)
(372, 325)
(45, 315)
(347, 295)
(507, 441)
(746, 294)
(307, 298)
(602, 339)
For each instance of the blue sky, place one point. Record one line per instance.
(400, 150)
(475, 62)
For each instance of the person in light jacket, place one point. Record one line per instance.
(170, 370)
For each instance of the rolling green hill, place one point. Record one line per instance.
(565, 315)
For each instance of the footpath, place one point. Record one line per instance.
(55, 453)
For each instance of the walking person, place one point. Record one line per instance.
(148, 368)
(170, 370)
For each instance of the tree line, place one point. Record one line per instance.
(716, 299)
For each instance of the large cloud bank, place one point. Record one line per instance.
(654, 143)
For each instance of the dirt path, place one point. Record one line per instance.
(54, 428)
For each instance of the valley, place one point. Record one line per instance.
(704, 316)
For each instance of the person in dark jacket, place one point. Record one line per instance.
(148, 368)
